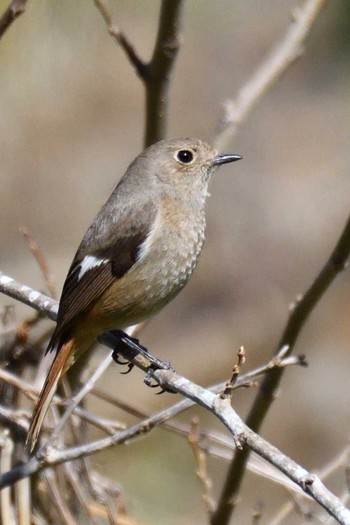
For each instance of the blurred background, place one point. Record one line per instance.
(71, 120)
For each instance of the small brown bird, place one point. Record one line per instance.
(137, 255)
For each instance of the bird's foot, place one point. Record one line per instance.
(117, 359)
(130, 347)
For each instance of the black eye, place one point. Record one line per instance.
(185, 156)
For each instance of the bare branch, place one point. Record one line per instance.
(287, 50)
(199, 395)
(340, 460)
(14, 10)
(156, 73)
(58, 500)
(19, 418)
(160, 68)
(28, 296)
(267, 391)
(221, 408)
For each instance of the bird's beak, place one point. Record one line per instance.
(224, 159)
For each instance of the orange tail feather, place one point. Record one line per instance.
(59, 366)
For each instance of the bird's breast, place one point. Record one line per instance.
(174, 247)
(166, 262)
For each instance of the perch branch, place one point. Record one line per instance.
(242, 434)
(221, 408)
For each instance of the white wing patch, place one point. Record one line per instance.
(145, 247)
(88, 263)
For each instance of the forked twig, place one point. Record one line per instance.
(156, 73)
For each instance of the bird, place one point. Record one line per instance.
(136, 256)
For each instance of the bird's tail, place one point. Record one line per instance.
(60, 364)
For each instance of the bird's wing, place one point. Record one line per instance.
(91, 273)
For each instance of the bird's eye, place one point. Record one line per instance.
(185, 156)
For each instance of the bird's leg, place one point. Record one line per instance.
(129, 346)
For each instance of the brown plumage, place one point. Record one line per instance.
(137, 255)
(57, 368)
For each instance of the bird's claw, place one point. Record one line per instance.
(131, 346)
(151, 382)
(130, 367)
(117, 359)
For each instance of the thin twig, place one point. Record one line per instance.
(40, 259)
(14, 10)
(111, 497)
(76, 485)
(58, 500)
(122, 41)
(23, 328)
(201, 459)
(231, 384)
(287, 50)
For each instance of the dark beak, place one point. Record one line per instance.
(224, 159)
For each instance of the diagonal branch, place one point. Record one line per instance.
(14, 10)
(282, 56)
(28, 296)
(267, 390)
(221, 408)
